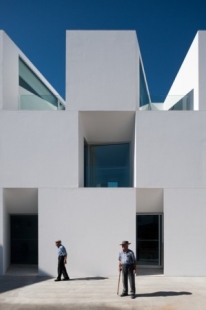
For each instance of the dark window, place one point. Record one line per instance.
(107, 165)
(24, 239)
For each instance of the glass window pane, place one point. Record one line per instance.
(34, 95)
(149, 239)
(107, 165)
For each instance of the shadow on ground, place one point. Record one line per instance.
(8, 283)
(88, 278)
(163, 294)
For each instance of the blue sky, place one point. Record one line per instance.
(165, 30)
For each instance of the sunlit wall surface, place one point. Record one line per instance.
(34, 95)
(107, 165)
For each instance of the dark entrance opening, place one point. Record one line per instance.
(24, 239)
(149, 239)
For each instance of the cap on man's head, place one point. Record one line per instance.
(58, 241)
(125, 242)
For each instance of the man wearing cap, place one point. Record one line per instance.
(62, 260)
(127, 263)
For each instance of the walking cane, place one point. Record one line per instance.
(118, 282)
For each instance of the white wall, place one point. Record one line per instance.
(149, 200)
(184, 232)
(21, 200)
(101, 70)
(38, 149)
(1, 69)
(10, 74)
(186, 78)
(108, 127)
(171, 149)
(91, 224)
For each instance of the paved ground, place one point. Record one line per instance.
(153, 293)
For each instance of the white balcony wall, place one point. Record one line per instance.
(91, 224)
(171, 149)
(186, 78)
(38, 149)
(102, 70)
(184, 232)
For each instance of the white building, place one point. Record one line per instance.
(107, 164)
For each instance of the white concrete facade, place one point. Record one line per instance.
(44, 165)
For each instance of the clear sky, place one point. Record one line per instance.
(165, 30)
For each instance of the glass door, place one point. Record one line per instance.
(149, 239)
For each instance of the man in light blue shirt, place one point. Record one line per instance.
(127, 264)
(62, 260)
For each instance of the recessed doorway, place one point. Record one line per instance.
(149, 239)
(24, 239)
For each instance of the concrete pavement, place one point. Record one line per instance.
(153, 293)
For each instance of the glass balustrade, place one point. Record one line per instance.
(37, 102)
(173, 102)
(34, 94)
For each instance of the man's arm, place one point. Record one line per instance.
(65, 259)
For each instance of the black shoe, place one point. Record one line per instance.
(66, 279)
(123, 294)
(133, 296)
(56, 280)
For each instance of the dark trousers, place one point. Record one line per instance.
(61, 268)
(127, 272)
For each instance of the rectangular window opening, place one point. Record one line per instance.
(107, 165)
